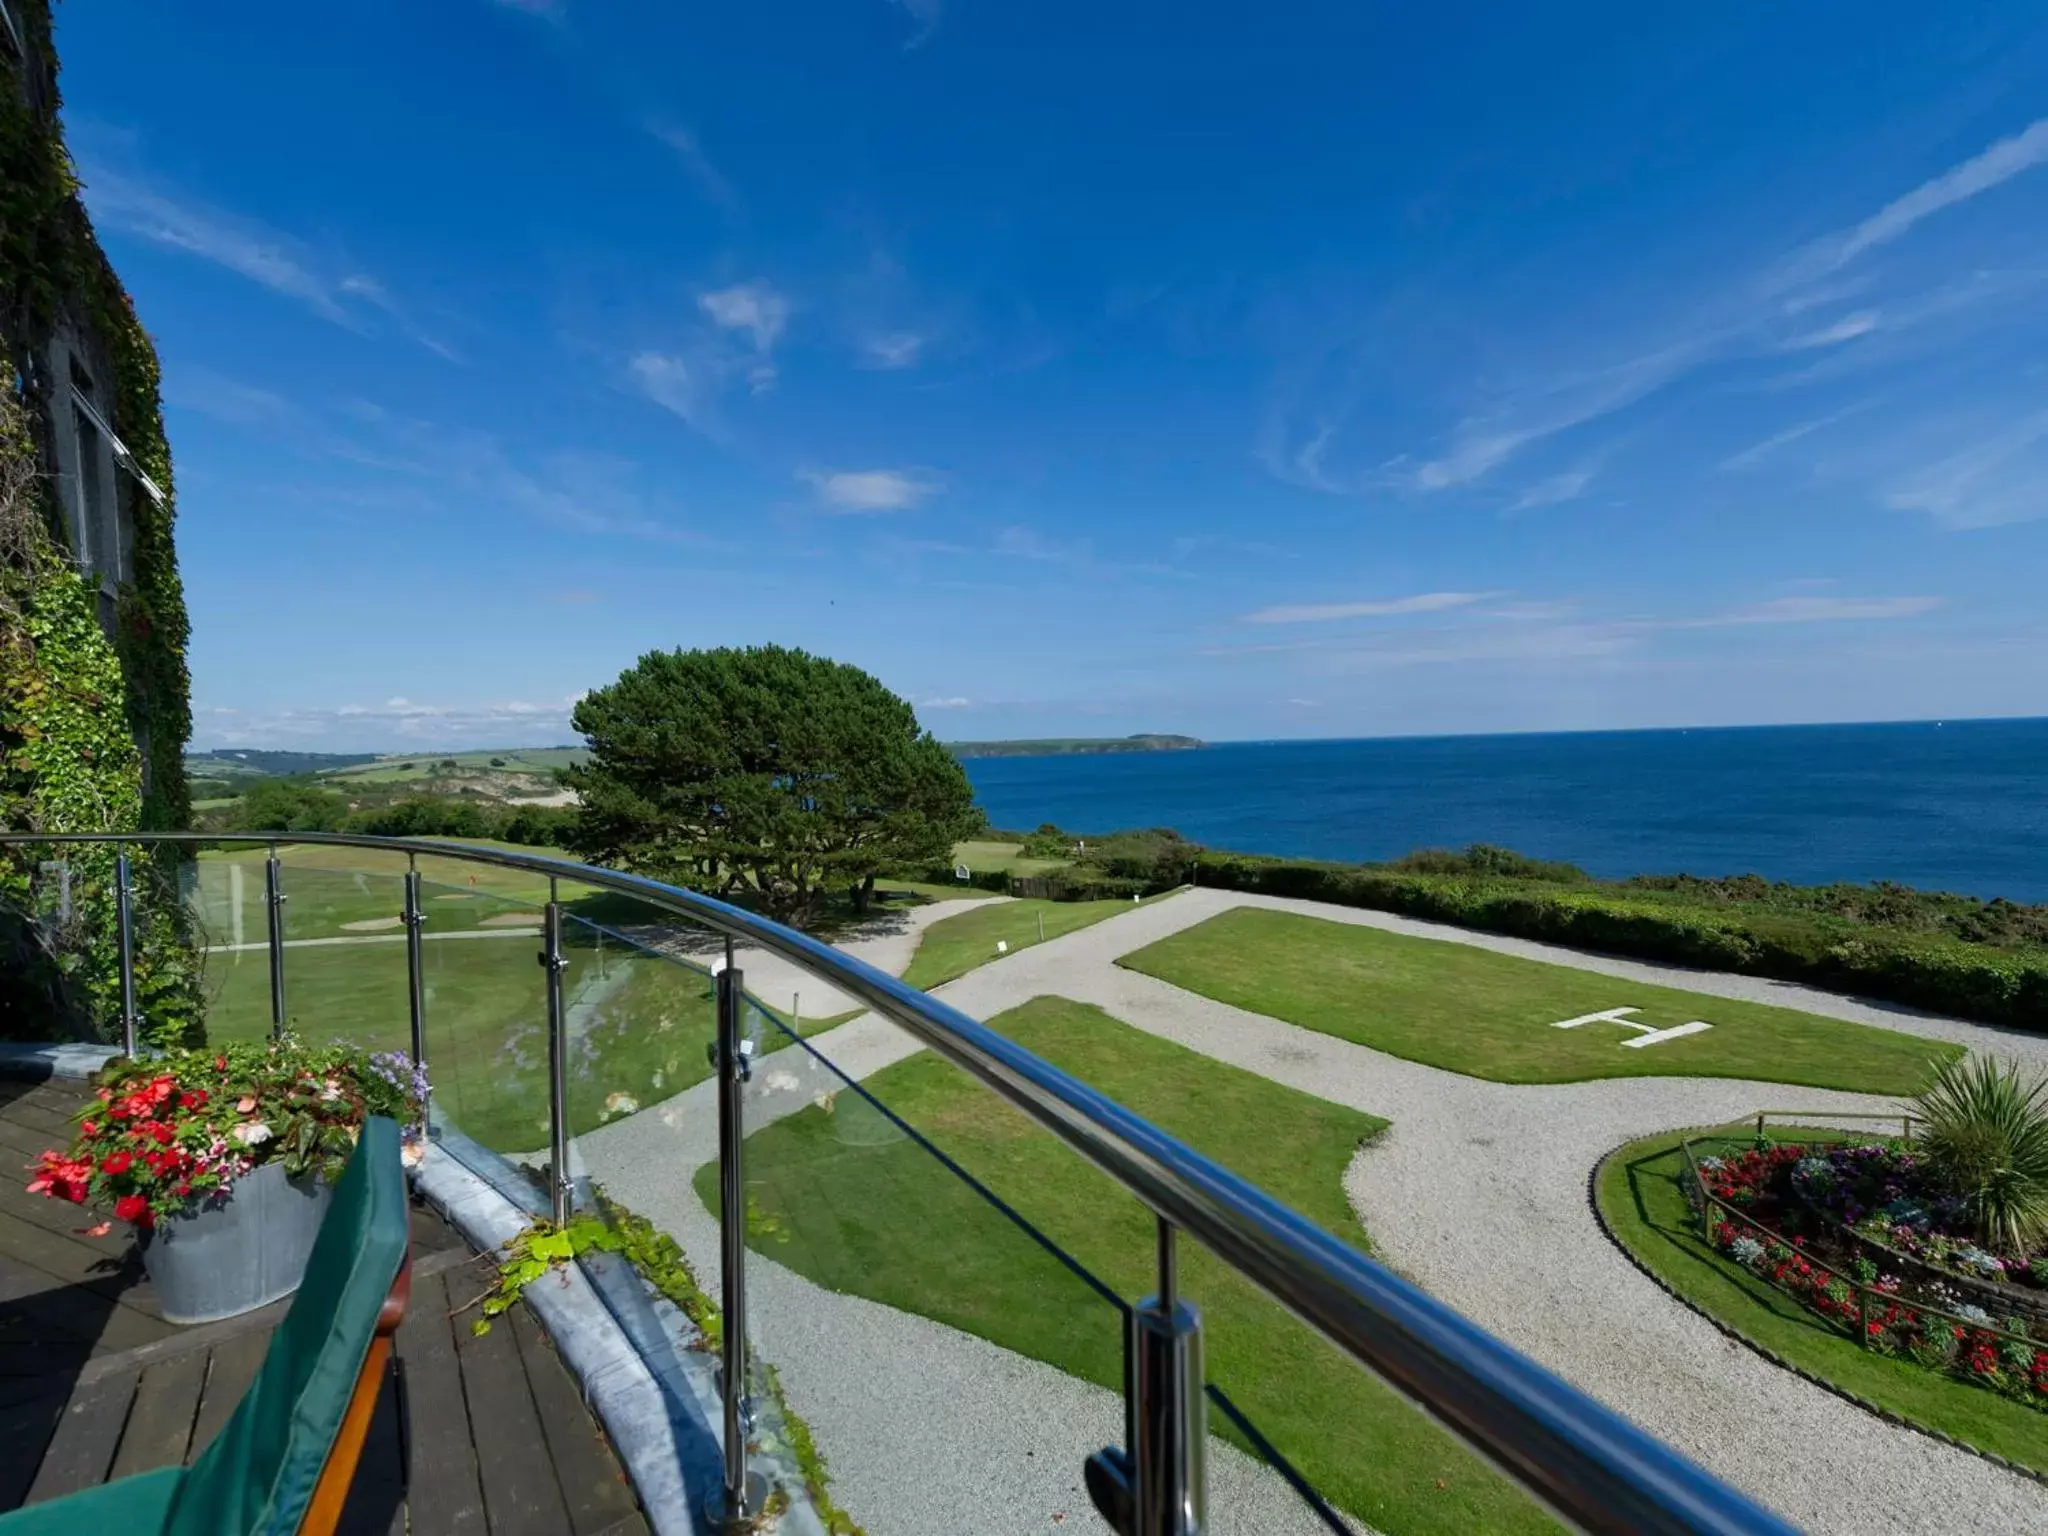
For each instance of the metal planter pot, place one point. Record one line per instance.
(227, 1256)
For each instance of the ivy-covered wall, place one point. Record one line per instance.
(79, 710)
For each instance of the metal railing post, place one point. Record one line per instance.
(273, 900)
(553, 962)
(1157, 1485)
(743, 1495)
(415, 973)
(124, 918)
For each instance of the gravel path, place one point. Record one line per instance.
(927, 1429)
(1478, 1192)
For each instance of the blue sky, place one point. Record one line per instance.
(1291, 370)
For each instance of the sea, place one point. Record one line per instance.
(1942, 805)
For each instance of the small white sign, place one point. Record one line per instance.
(1645, 1034)
(1002, 946)
(962, 872)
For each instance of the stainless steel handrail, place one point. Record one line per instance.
(1587, 1463)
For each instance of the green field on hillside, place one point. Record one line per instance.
(1491, 1015)
(846, 1201)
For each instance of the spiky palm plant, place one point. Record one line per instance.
(1986, 1137)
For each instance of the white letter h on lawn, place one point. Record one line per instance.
(1645, 1035)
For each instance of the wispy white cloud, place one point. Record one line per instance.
(248, 248)
(241, 245)
(1812, 610)
(755, 308)
(1757, 452)
(1980, 173)
(1319, 613)
(2001, 478)
(1848, 328)
(1566, 486)
(953, 703)
(200, 389)
(398, 724)
(677, 384)
(696, 164)
(872, 490)
(1748, 320)
(893, 349)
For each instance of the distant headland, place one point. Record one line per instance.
(1075, 746)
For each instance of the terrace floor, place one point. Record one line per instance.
(472, 1436)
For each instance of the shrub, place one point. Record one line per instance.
(1986, 1138)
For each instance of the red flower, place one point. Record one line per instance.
(160, 1132)
(194, 1098)
(132, 1208)
(88, 1127)
(117, 1163)
(220, 1063)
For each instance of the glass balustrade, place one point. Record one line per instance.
(937, 1284)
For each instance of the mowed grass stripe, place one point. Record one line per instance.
(1490, 1015)
(877, 1217)
(955, 945)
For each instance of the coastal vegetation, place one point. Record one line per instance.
(1962, 955)
(1489, 1015)
(845, 1199)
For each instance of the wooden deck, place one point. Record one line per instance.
(472, 1437)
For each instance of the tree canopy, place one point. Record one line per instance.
(763, 772)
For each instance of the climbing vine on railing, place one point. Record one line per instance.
(543, 1247)
(92, 731)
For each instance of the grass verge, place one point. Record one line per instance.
(1640, 1196)
(1490, 1015)
(955, 945)
(838, 1197)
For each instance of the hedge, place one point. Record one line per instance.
(1990, 983)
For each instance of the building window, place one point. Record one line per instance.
(88, 540)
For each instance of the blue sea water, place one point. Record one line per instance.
(1960, 806)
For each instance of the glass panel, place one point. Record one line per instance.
(60, 904)
(904, 1234)
(486, 1024)
(639, 1022)
(344, 953)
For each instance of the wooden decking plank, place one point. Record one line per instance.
(446, 1494)
(521, 1494)
(160, 1420)
(26, 1429)
(593, 1487)
(83, 1448)
(230, 1369)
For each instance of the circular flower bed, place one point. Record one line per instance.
(1782, 1211)
(180, 1129)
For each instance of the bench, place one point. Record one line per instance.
(282, 1464)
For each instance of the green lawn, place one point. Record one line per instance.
(1488, 1015)
(1640, 1196)
(988, 858)
(873, 1215)
(955, 945)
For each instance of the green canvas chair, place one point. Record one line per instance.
(281, 1466)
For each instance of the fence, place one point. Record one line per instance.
(1890, 1303)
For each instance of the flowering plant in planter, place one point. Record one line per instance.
(164, 1134)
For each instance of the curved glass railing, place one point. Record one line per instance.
(985, 1283)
